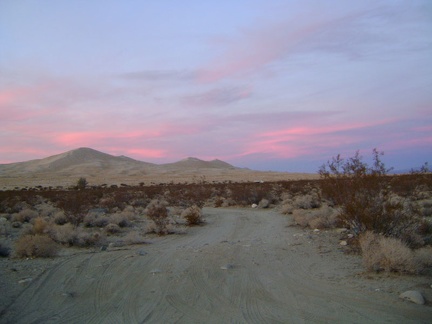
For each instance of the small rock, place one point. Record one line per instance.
(343, 243)
(24, 281)
(155, 271)
(413, 296)
(341, 230)
(350, 235)
(316, 230)
(227, 266)
(254, 205)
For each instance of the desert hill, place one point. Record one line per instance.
(79, 160)
(194, 163)
(101, 168)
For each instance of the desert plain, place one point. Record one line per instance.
(241, 265)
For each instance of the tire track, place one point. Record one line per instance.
(271, 281)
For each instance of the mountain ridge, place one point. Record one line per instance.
(87, 159)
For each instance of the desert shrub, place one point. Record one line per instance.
(95, 220)
(46, 209)
(388, 254)
(426, 208)
(286, 207)
(158, 213)
(307, 201)
(63, 234)
(264, 203)
(193, 215)
(112, 228)
(81, 183)
(302, 217)
(121, 219)
(40, 225)
(134, 237)
(75, 206)
(60, 218)
(423, 257)
(324, 217)
(361, 191)
(35, 246)
(86, 239)
(151, 227)
(218, 201)
(25, 216)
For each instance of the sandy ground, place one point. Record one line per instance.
(65, 180)
(242, 266)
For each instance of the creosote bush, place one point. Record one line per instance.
(362, 193)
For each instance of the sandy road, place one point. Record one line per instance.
(243, 266)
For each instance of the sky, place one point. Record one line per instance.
(264, 84)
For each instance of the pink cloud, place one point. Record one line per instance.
(297, 141)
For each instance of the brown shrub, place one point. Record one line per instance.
(40, 226)
(193, 215)
(35, 246)
(388, 254)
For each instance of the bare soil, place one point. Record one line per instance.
(242, 266)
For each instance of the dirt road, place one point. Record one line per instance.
(243, 266)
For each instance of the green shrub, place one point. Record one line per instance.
(81, 183)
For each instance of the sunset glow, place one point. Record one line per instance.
(269, 85)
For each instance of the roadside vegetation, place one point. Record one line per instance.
(386, 218)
